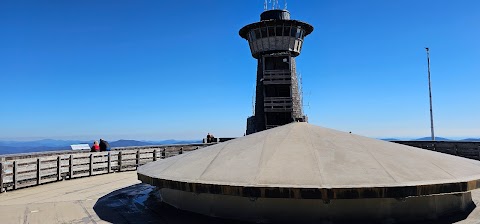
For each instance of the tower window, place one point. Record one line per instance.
(263, 30)
(299, 32)
(279, 30)
(271, 31)
(251, 35)
(286, 31)
(293, 32)
(279, 90)
(277, 63)
(257, 34)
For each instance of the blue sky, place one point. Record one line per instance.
(152, 70)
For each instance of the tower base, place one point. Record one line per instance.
(280, 210)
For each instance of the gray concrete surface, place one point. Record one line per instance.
(62, 202)
(315, 173)
(301, 155)
(116, 198)
(112, 198)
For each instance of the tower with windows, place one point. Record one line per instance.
(275, 41)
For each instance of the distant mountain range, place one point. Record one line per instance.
(471, 140)
(126, 143)
(430, 138)
(43, 142)
(12, 147)
(390, 139)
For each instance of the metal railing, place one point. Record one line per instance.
(465, 149)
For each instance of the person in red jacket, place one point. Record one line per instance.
(95, 147)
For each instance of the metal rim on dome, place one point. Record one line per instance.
(315, 193)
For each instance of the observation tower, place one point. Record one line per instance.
(275, 41)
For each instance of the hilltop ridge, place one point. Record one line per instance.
(10, 147)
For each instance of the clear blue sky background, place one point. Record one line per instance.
(152, 70)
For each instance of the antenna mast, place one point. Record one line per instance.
(274, 4)
(430, 94)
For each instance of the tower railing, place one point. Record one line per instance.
(269, 79)
(278, 104)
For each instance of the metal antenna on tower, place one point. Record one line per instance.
(265, 6)
(285, 4)
(303, 106)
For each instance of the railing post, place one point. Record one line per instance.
(70, 167)
(478, 150)
(59, 168)
(15, 176)
(137, 161)
(109, 163)
(163, 153)
(2, 175)
(38, 172)
(155, 155)
(181, 150)
(120, 161)
(91, 164)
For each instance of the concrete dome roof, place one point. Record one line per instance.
(328, 163)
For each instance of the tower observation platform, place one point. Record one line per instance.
(275, 41)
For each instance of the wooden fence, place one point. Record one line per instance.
(469, 150)
(29, 171)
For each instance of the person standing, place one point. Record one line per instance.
(209, 138)
(104, 146)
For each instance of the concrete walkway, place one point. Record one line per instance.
(113, 198)
(69, 201)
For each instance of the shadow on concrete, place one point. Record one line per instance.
(453, 218)
(139, 203)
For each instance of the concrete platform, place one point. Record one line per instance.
(318, 162)
(309, 174)
(117, 198)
